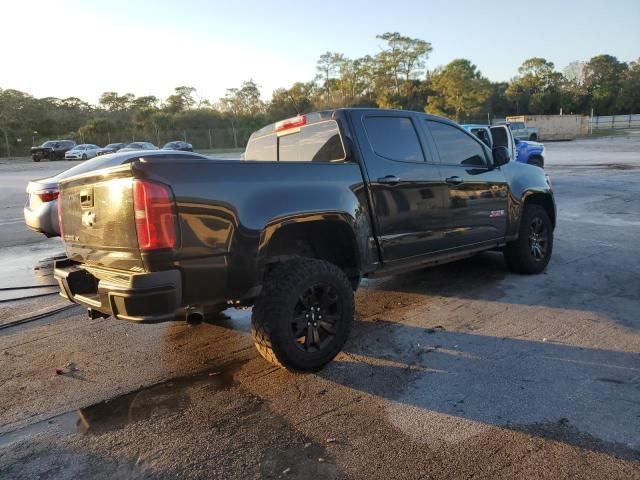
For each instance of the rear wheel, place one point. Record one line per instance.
(304, 314)
(531, 251)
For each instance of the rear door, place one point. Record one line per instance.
(476, 192)
(407, 191)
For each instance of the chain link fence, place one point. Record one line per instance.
(614, 122)
(18, 144)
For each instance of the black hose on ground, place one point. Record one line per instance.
(7, 289)
(5, 300)
(38, 316)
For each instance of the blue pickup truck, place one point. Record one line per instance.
(524, 151)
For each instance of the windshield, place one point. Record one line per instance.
(517, 125)
(136, 145)
(50, 144)
(113, 145)
(170, 145)
(95, 163)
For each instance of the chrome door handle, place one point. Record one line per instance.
(455, 180)
(389, 180)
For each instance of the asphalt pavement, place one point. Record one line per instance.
(460, 371)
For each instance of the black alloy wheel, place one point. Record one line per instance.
(315, 317)
(538, 239)
(303, 315)
(531, 251)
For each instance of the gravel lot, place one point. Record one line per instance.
(460, 371)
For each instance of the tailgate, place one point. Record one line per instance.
(98, 220)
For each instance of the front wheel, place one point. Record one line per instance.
(536, 161)
(533, 137)
(531, 251)
(303, 316)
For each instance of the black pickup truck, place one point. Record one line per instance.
(52, 150)
(318, 202)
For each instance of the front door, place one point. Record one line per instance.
(477, 192)
(502, 137)
(407, 191)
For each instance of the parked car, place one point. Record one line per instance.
(529, 152)
(41, 209)
(111, 148)
(138, 146)
(521, 151)
(321, 201)
(178, 145)
(521, 130)
(52, 150)
(494, 136)
(84, 151)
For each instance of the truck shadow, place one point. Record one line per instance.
(485, 277)
(588, 398)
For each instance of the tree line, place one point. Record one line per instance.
(395, 77)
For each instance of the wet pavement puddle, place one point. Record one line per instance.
(22, 262)
(28, 267)
(165, 398)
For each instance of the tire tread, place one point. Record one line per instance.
(516, 252)
(280, 282)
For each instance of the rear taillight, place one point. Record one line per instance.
(47, 195)
(154, 213)
(60, 218)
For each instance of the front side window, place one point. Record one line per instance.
(455, 146)
(394, 138)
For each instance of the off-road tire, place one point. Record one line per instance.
(519, 254)
(274, 313)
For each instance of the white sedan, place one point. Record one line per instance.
(82, 152)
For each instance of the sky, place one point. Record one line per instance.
(81, 48)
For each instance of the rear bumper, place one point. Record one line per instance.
(136, 297)
(43, 218)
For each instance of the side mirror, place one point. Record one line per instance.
(500, 156)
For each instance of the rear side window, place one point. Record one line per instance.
(317, 142)
(394, 138)
(262, 148)
(455, 146)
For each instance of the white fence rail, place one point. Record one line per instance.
(611, 122)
